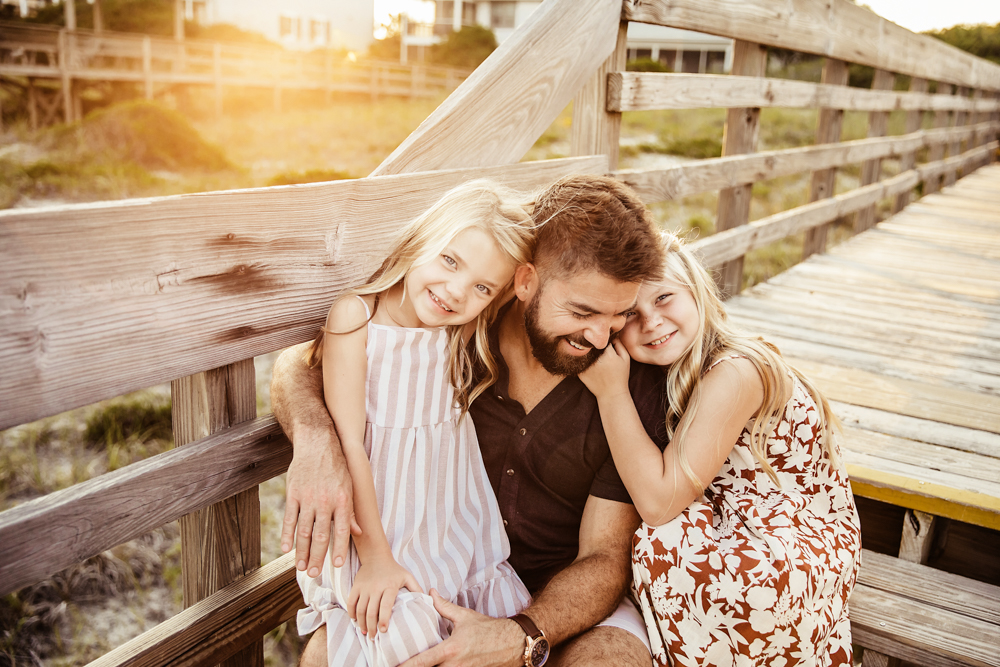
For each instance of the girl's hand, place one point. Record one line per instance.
(609, 374)
(374, 593)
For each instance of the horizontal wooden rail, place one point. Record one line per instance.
(218, 626)
(650, 91)
(835, 28)
(733, 243)
(102, 299)
(698, 176)
(43, 536)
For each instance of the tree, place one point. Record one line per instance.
(981, 40)
(466, 48)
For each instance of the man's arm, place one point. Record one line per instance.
(318, 486)
(575, 600)
(586, 592)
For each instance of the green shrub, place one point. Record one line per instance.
(139, 417)
(645, 65)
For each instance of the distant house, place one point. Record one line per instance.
(679, 50)
(296, 24)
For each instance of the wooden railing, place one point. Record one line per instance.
(75, 57)
(99, 300)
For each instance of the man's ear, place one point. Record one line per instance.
(525, 281)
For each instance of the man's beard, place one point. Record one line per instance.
(545, 347)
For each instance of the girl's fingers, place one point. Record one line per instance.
(352, 602)
(385, 611)
(410, 582)
(371, 616)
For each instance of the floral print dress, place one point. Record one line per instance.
(754, 574)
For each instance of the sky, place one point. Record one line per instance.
(916, 15)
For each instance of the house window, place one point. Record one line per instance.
(285, 26)
(502, 14)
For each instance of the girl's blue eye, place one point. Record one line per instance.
(663, 296)
(483, 288)
(629, 314)
(448, 260)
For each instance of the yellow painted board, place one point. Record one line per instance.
(967, 506)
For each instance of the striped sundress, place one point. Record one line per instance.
(437, 507)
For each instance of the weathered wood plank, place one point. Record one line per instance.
(596, 129)
(89, 517)
(531, 77)
(739, 137)
(919, 632)
(652, 91)
(714, 174)
(212, 630)
(914, 120)
(97, 300)
(221, 543)
(827, 132)
(837, 29)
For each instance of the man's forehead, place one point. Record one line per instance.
(598, 291)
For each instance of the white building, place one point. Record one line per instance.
(679, 50)
(295, 24)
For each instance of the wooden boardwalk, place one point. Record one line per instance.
(900, 327)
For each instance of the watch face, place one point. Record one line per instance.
(540, 652)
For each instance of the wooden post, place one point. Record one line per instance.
(147, 65)
(918, 536)
(828, 132)
(375, 76)
(914, 120)
(98, 17)
(69, 11)
(67, 82)
(179, 20)
(595, 130)
(32, 104)
(936, 151)
(217, 76)
(739, 137)
(871, 170)
(220, 543)
(958, 119)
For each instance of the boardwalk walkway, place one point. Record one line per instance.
(900, 327)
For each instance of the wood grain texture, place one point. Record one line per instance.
(739, 137)
(827, 132)
(651, 91)
(596, 129)
(513, 97)
(914, 119)
(698, 176)
(221, 543)
(871, 170)
(211, 631)
(832, 28)
(97, 300)
(87, 518)
(918, 536)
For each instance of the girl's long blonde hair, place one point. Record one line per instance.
(478, 204)
(715, 339)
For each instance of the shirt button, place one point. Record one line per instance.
(510, 472)
(523, 431)
(499, 397)
(505, 522)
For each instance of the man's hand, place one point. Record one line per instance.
(318, 495)
(476, 640)
(318, 488)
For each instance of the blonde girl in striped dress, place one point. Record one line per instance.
(398, 381)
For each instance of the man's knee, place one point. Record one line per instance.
(314, 654)
(603, 645)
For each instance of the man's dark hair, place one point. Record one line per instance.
(596, 223)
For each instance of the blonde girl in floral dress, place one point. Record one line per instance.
(750, 542)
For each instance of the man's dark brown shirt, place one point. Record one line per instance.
(545, 464)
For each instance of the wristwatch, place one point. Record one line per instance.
(536, 646)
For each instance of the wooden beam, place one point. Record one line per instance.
(698, 176)
(87, 518)
(836, 29)
(739, 137)
(103, 299)
(221, 543)
(532, 76)
(827, 132)
(212, 630)
(871, 170)
(937, 152)
(958, 119)
(914, 120)
(652, 91)
(595, 129)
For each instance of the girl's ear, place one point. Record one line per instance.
(525, 281)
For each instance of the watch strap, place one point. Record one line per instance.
(527, 625)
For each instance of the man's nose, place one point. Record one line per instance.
(598, 337)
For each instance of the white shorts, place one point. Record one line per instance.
(628, 618)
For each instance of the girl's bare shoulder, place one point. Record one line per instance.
(350, 312)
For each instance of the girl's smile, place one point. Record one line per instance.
(663, 324)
